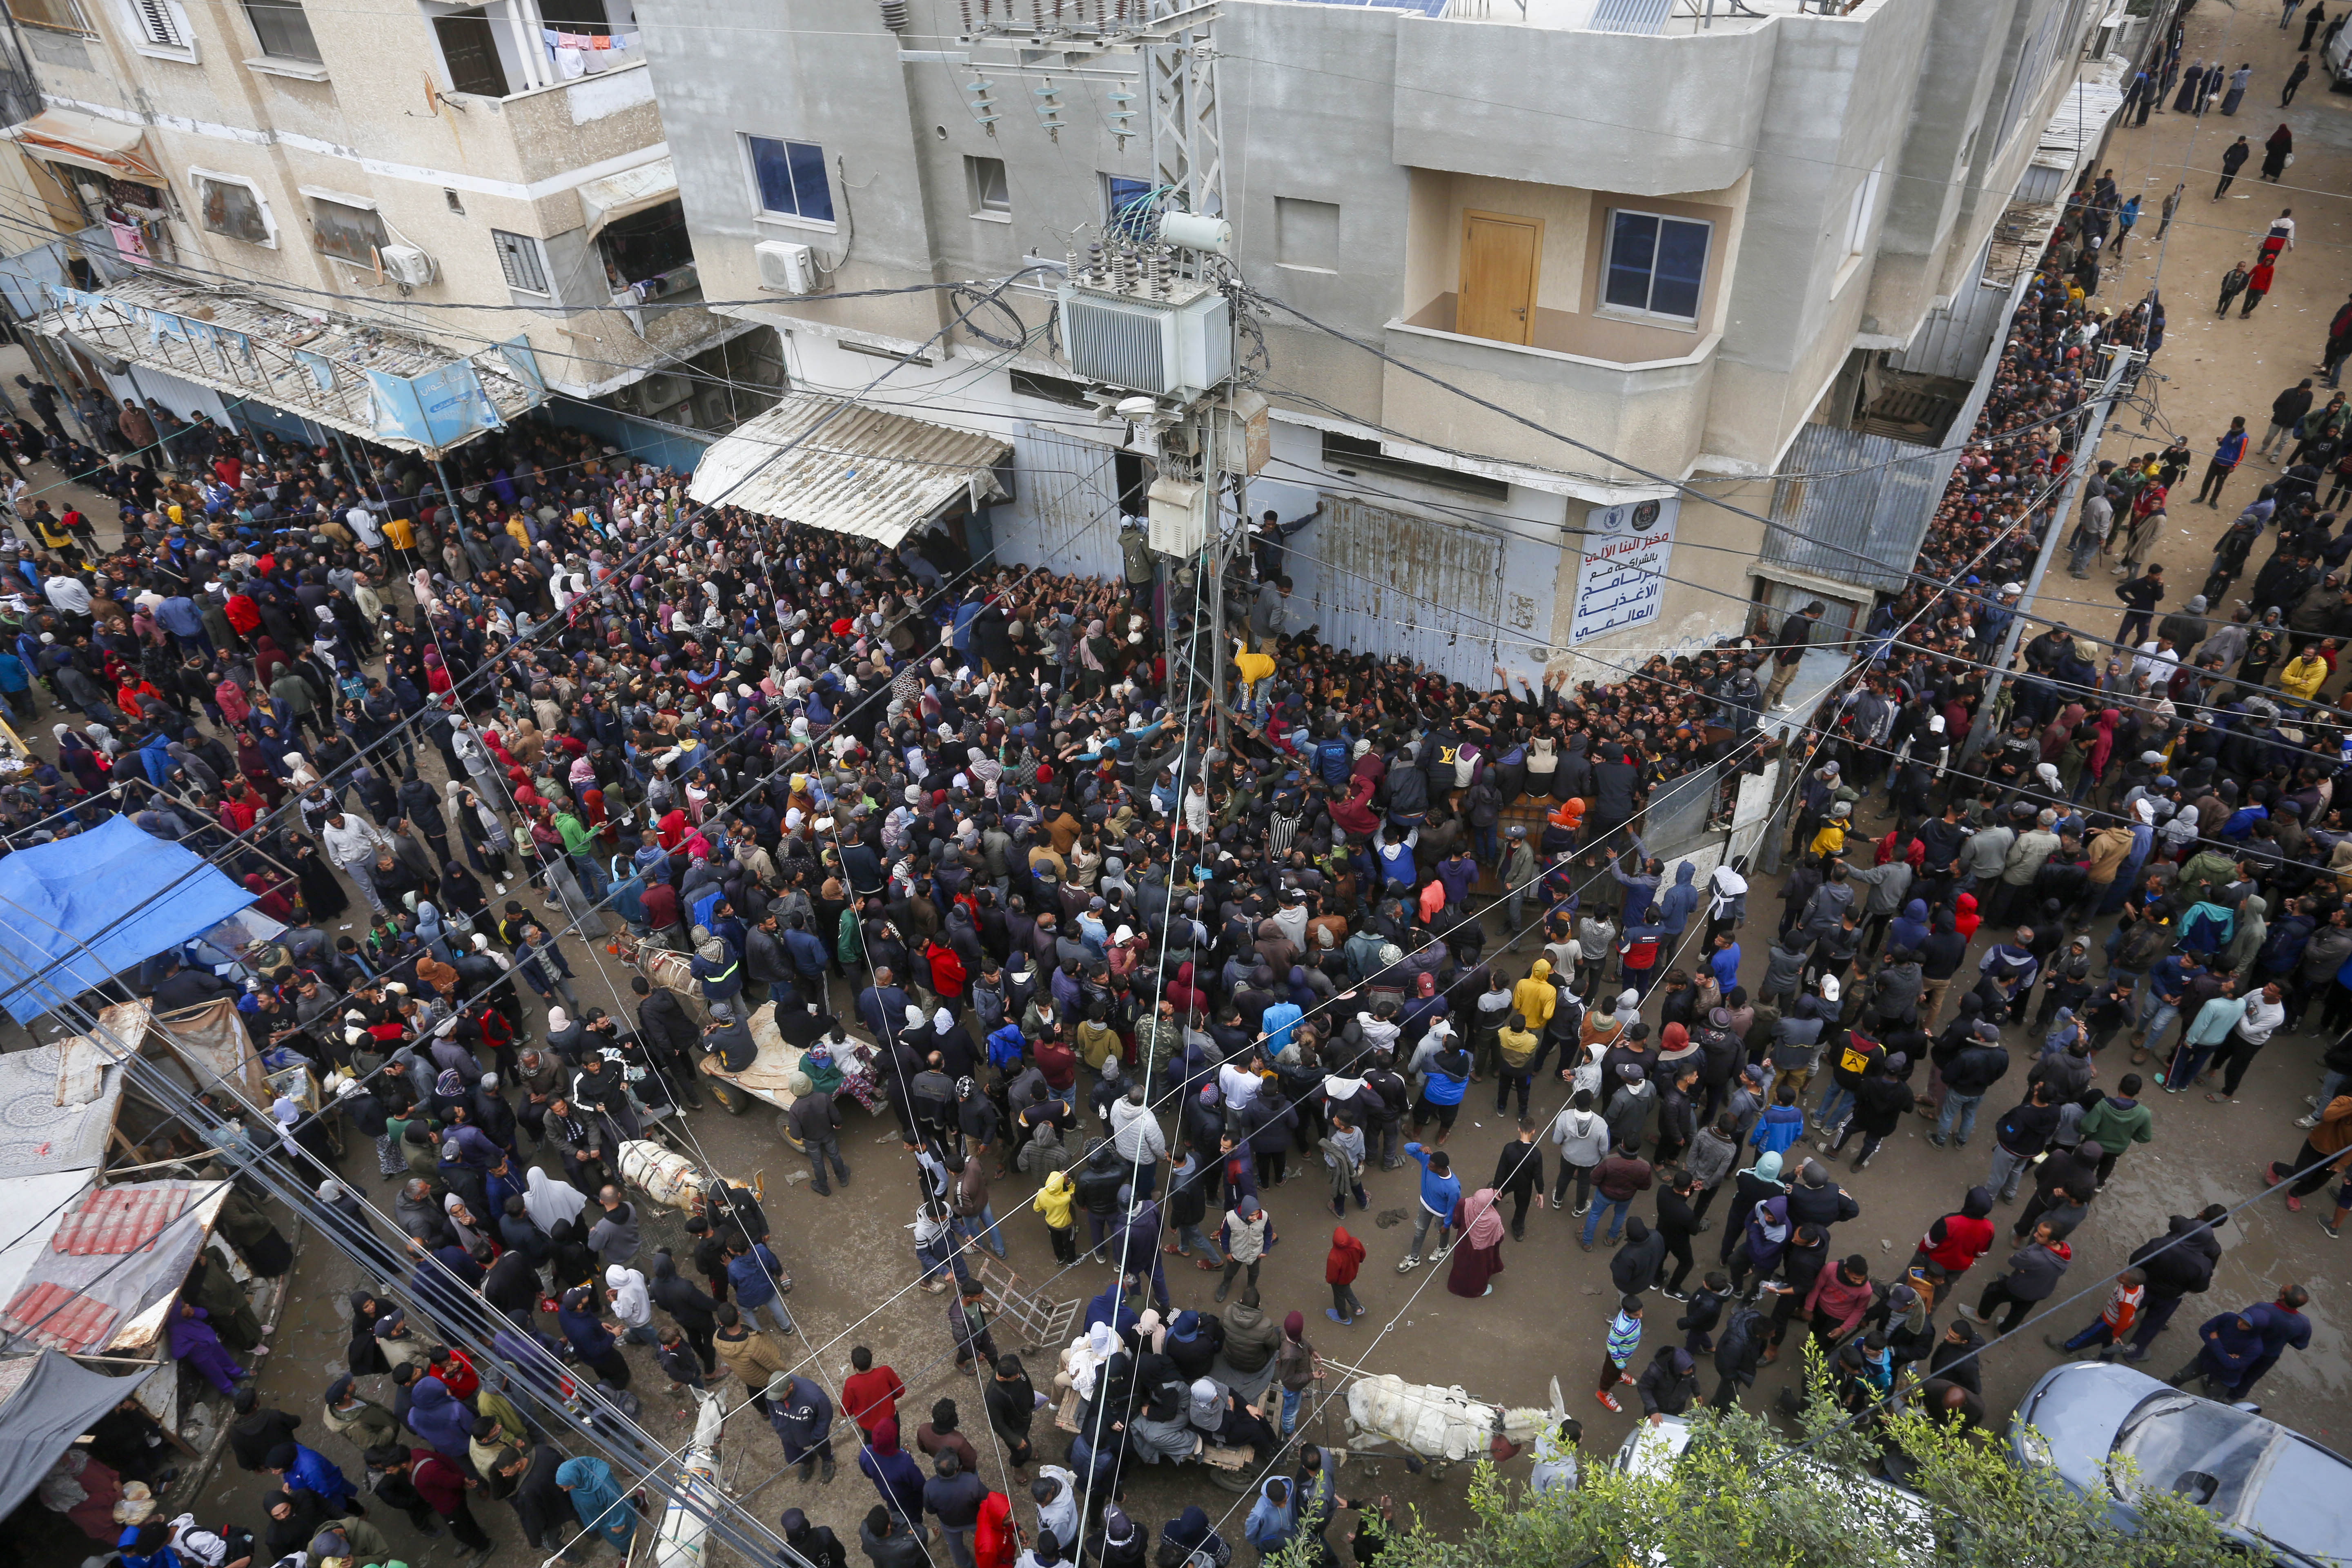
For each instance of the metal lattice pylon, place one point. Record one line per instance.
(1188, 149)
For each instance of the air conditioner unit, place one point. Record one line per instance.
(1179, 346)
(407, 265)
(710, 408)
(657, 393)
(786, 268)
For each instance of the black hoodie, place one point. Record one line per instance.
(2179, 1262)
(1634, 1267)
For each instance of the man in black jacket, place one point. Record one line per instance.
(1634, 1269)
(1677, 1223)
(257, 1429)
(1970, 1072)
(1519, 1172)
(1736, 1354)
(1668, 1384)
(887, 1542)
(1796, 633)
(2178, 1263)
(670, 1037)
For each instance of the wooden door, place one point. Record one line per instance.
(472, 53)
(1498, 276)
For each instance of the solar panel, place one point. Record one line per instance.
(1420, 8)
(1629, 16)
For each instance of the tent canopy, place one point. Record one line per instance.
(76, 911)
(49, 1401)
(859, 469)
(86, 141)
(616, 196)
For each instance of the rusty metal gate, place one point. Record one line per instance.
(1072, 484)
(1391, 582)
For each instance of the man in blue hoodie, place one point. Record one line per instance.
(1273, 1517)
(1441, 1189)
(1680, 900)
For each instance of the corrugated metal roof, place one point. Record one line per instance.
(850, 470)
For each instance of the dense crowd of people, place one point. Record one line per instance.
(960, 824)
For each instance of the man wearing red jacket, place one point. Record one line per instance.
(1956, 1241)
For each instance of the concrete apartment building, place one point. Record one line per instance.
(380, 158)
(1677, 246)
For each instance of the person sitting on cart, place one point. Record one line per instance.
(729, 1038)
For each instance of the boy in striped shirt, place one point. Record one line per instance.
(1625, 1339)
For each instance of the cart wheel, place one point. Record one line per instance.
(1227, 1480)
(784, 1131)
(728, 1095)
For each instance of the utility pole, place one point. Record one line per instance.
(1146, 319)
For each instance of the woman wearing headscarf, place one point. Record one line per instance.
(253, 764)
(569, 1262)
(470, 1231)
(294, 1518)
(2276, 152)
(269, 897)
(597, 1499)
(1478, 1216)
(893, 1471)
(365, 1356)
(80, 758)
(462, 901)
(1188, 1533)
(269, 659)
(484, 834)
(1163, 1428)
(549, 1202)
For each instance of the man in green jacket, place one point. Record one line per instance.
(2119, 1121)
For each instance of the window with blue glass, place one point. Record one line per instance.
(1657, 265)
(1127, 204)
(790, 178)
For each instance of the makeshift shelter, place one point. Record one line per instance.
(57, 1105)
(45, 1402)
(75, 912)
(109, 1267)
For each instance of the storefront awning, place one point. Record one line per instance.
(103, 146)
(865, 471)
(632, 190)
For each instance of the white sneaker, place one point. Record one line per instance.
(1408, 1265)
(2311, 1121)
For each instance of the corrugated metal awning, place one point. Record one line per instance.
(86, 141)
(862, 470)
(616, 196)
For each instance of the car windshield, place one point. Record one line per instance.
(2208, 1451)
(2304, 1502)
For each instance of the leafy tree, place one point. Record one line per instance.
(1742, 1497)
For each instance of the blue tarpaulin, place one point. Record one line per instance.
(76, 911)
